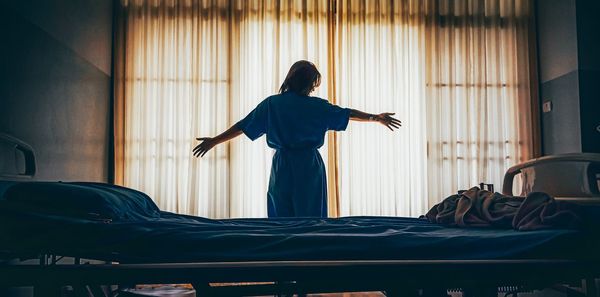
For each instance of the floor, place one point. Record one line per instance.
(186, 291)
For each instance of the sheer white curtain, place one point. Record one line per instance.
(177, 88)
(268, 37)
(381, 67)
(194, 68)
(457, 74)
(479, 108)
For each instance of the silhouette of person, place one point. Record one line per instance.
(295, 124)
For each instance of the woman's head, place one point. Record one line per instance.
(302, 78)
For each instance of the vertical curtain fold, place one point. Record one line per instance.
(118, 98)
(333, 190)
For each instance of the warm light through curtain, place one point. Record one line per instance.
(177, 87)
(380, 68)
(267, 38)
(194, 68)
(479, 108)
(455, 72)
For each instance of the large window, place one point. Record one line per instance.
(193, 68)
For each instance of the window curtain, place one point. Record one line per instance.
(267, 38)
(193, 68)
(457, 73)
(381, 68)
(174, 86)
(480, 113)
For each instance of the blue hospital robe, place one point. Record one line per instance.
(295, 126)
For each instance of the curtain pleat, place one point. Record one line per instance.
(333, 190)
(120, 46)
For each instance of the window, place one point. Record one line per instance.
(455, 73)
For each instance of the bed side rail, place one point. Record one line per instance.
(566, 175)
(15, 146)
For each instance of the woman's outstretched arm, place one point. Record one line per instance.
(209, 142)
(385, 118)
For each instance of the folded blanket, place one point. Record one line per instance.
(480, 208)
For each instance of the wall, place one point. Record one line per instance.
(588, 51)
(55, 83)
(568, 69)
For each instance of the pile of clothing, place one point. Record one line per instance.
(480, 208)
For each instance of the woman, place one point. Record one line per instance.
(295, 124)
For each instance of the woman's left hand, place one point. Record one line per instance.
(205, 146)
(387, 120)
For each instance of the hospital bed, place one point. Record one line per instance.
(401, 256)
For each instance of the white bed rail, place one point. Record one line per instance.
(574, 177)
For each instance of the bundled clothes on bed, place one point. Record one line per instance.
(481, 208)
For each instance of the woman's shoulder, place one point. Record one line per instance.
(322, 101)
(289, 94)
(312, 100)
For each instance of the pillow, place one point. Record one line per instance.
(94, 201)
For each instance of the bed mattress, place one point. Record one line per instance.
(181, 238)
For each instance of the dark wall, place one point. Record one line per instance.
(588, 51)
(55, 83)
(568, 47)
(557, 38)
(559, 78)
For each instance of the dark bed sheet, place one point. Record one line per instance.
(179, 238)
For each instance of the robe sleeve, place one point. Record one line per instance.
(336, 117)
(254, 125)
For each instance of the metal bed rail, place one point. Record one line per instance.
(575, 176)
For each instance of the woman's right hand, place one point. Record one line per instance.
(205, 146)
(387, 120)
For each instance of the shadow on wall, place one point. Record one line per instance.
(55, 84)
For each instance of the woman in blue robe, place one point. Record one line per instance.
(295, 124)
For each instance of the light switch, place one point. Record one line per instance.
(547, 106)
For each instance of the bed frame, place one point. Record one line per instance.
(481, 278)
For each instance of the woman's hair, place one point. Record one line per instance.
(302, 78)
